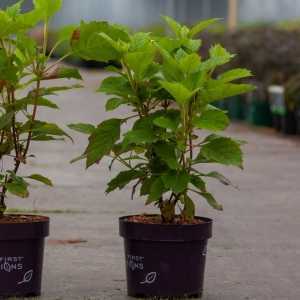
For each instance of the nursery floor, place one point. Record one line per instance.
(255, 250)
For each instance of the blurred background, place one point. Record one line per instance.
(265, 34)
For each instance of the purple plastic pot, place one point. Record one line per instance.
(21, 257)
(165, 260)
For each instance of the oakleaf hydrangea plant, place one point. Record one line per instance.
(24, 68)
(170, 91)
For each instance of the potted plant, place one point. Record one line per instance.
(170, 93)
(24, 67)
(290, 120)
(277, 100)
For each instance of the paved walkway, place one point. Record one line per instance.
(255, 250)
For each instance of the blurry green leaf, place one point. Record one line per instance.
(40, 178)
(23, 103)
(234, 75)
(102, 140)
(68, 73)
(65, 33)
(212, 119)
(201, 26)
(198, 183)
(15, 9)
(224, 151)
(139, 62)
(219, 177)
(156, 190)
(167, 153)
(190, 63)
(90, 45)
(211, 201)
(177, 181)
(139, 136)
(113, 103)
(180, 93)
(174, 26)
(6, 119)
(218, 90)
(122, 179)
(146, 185)
(218, 56)
(47, 8)
(82, 127)
(115, 86)
(43, 128)
(167, 122)
(18, 186)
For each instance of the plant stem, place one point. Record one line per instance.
(57, 62)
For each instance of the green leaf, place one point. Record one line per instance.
(167, 122)
(43, 128)
(202, 25)
(217, 90)
(89, 44)
(167, 153)
(122, 179)
(219, 177)
(212, 201)
(18, 186)
(190, 63)
(23, 103)
(82, 127)
(212, 119)
(40, 178)
(116, 86)
(146, 186)
(174, 26)
(68, 73)
(65, 33)
(156, 190)
(218, 57)
(47, 8)
(180, 93)
(224, 151)
(6, 119)
(140, 41)
(102, 140)
(189, 208)
(15, 9)
(198, 183)
(139, 62)
(113, 103)
(5, 24)
(234, 75)
(177, 181)
(139, 136)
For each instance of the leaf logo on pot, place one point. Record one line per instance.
(150, 278)
(27, 277)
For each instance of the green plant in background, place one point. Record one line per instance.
(24, 67)
(171, 93)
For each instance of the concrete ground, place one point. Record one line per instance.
(255, 249)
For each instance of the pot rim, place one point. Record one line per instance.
(165, 232)
(27, 230)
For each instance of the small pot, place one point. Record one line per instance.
(259, 113)
(289, 123)
(277, 101)
(298, 120)
(21, 256)
(236, 108)
(165, 260)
